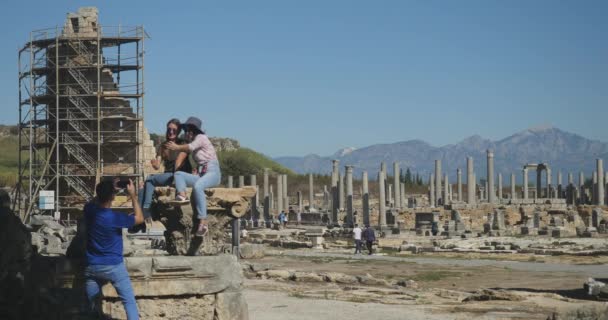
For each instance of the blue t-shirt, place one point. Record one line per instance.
(104, 234)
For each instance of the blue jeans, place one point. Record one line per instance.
(98, 275)
(155, 180)
(210, 179)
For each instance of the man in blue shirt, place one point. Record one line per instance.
(104, 246)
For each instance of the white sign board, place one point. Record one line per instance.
(46, 200)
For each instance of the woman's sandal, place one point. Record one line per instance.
(202, 230)
(179, 199)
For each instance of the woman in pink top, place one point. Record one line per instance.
(209, 174)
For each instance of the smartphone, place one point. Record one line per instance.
(122, 184)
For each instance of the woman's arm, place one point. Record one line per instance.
(182, 157)
(178, 147)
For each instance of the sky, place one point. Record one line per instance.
(298, 77)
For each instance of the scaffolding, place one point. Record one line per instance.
(81, 110)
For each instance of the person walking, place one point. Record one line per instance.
(104, 247)
(370, 237)
(208, 170)
(357, 236)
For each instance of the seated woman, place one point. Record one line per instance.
(208, 176)
(173, 161)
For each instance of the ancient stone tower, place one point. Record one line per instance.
(81, 111)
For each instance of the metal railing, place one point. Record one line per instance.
(78, 152)
(79, 102)
(79, 186)
(79, 126)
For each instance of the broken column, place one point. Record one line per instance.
(438, 177)
(549, 183)
(470, 181)
(600, 182)
(349, 196)
(241, 181)
(581, 187)
(446, 190)
(432, 190)
(334, 190)
(490, 179)
(341, 190)
(311, 194)
(285, 194)
(513, 194)
(559, 185)
(499, 186)
(459, 182)
(279, 194)
(266, 218)
(365, 200)
(230, 183)
(382, 205)
(525, 186)
(404, 203)
(255, 214)
(397, 184)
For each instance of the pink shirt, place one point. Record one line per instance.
(202, 150)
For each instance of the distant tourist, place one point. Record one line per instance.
(370, 237)
(208, 170)
(104, 246)
(357, 236)
(282, 217)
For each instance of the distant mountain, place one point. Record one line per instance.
(564, 151)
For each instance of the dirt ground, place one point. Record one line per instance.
(533, 290)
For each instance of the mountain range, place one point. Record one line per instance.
(563, 151)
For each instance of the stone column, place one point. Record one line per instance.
(486, 192)
(285, 194)
(230, 184)
(539, 183)
(438, 177)
(397, 184)
(549, 182)
(334, 191)
(559, 185)
(253, 180)
(500, 187)
(446, 190)
(311, 193)
(365, 199)
(382, 204)
(594, 188)
(459, 182)
(349, 196)
(342, 189)
(279, 194)
(581, 187)
(570, 189)
(241, 181)
(255, 215)
(490, 179)
(600, 182)
(299, 213)
(404, 202)
(525, 186)
(470, 181)
(513, 193)
(432, 200)
(390, 194)
(266, 200)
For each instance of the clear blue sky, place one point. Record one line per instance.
(297, 77)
